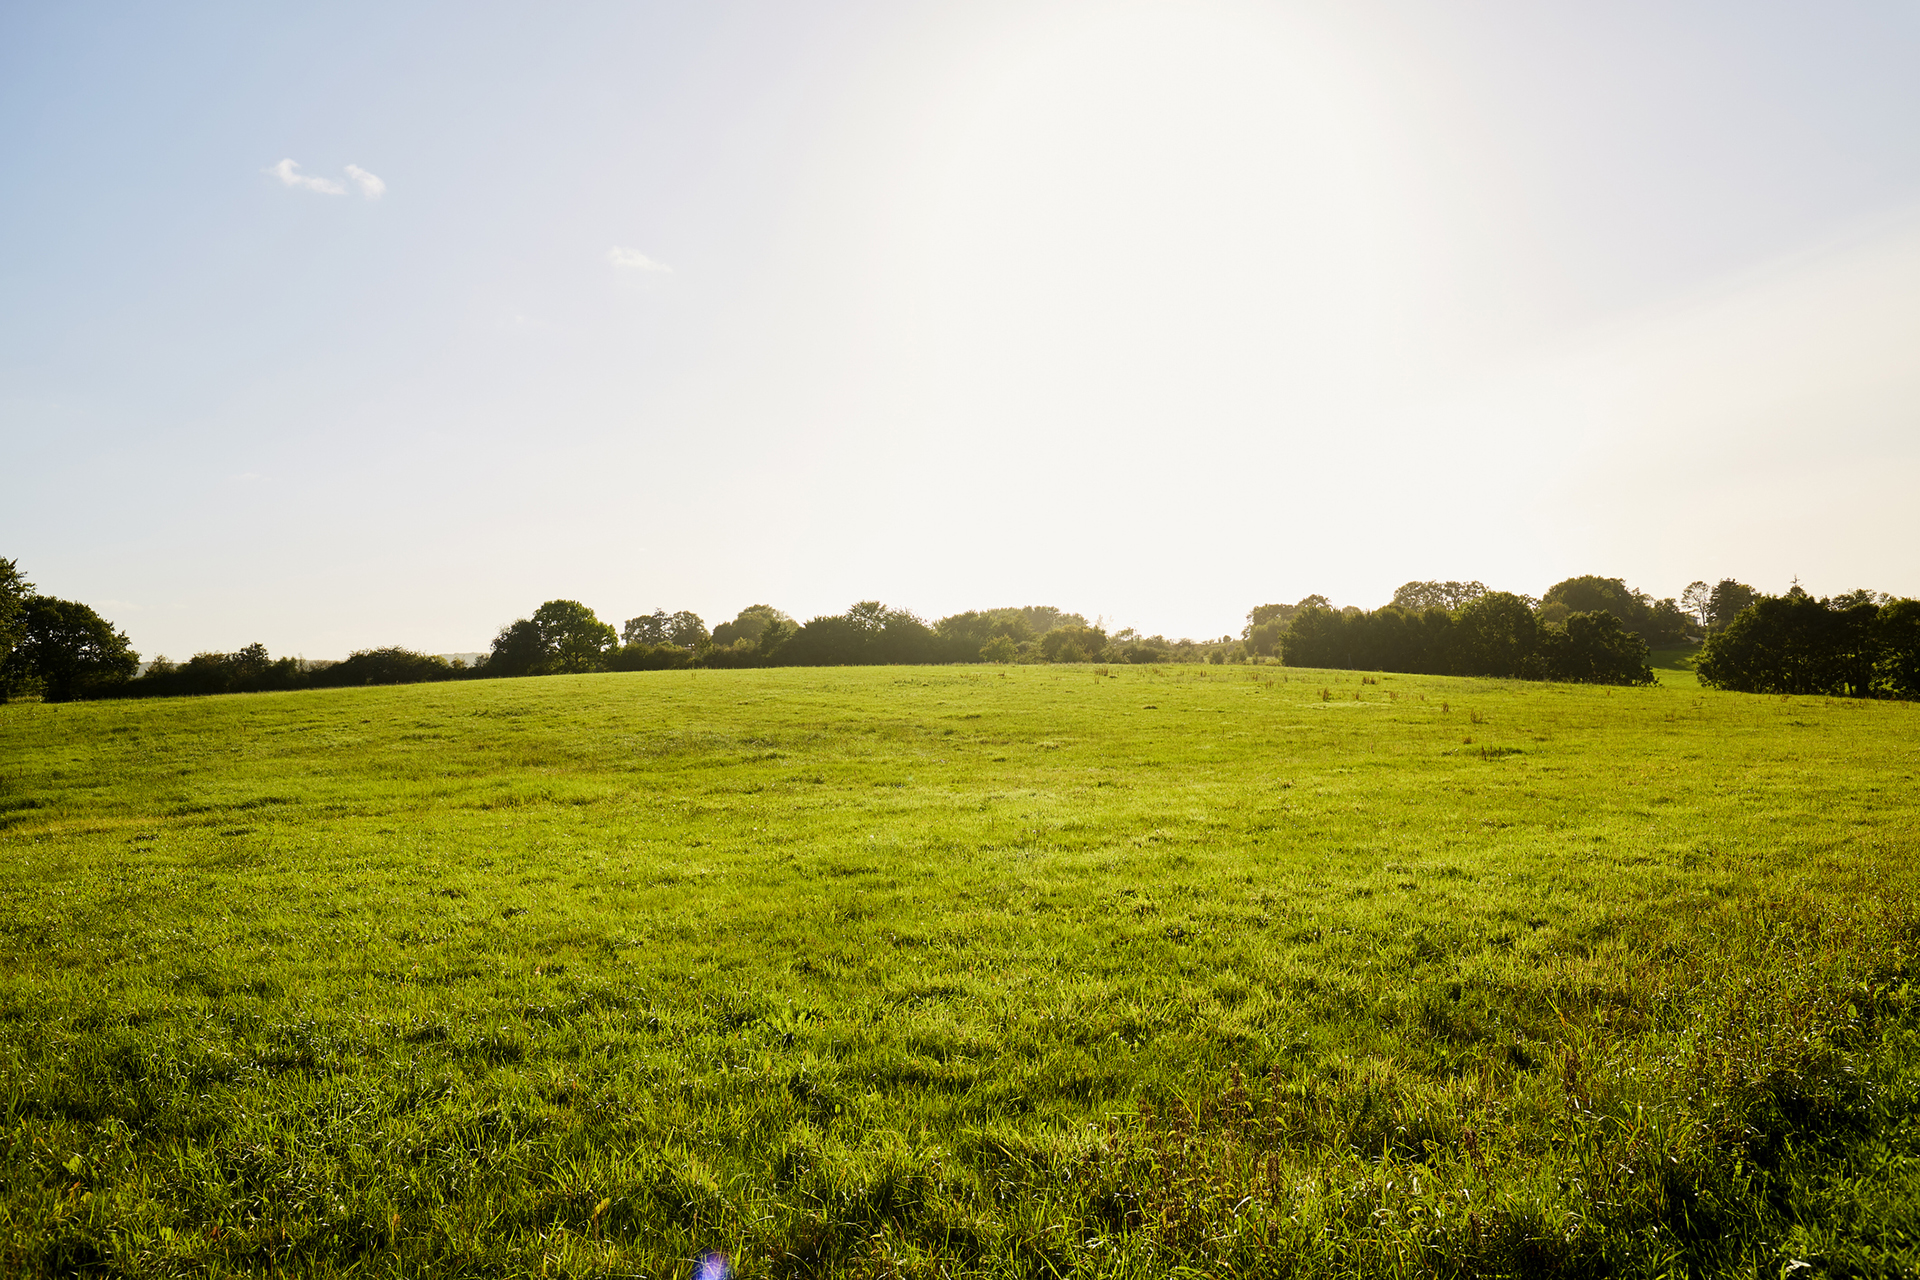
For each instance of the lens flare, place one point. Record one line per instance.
(712, 1266)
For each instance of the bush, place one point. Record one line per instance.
(392, 665)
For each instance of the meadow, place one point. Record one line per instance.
(961, 971)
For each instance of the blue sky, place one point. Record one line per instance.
(1154, 311)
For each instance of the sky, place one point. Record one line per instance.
(340, 326)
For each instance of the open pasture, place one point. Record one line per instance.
(1033, 971)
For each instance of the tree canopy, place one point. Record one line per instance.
(15, 591)
(1658, 622)
(68, 650)
(1418, 597)
(1849, 645)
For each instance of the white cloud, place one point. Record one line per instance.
(370, 185)
(286, 172)
(634, 260)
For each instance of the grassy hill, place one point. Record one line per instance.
(960, 971)
(1673, 668)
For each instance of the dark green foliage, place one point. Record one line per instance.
(572, 639)
(1418, 597)
(14, 593)
(1900, 652)
(1073, 642)
(1658, 622)
(750, 624)
(248, 670)
(964, 637)
(1389, 639)
(1267, 623)
(1849, 645)
(67, 651)
(1496, 634)
(999, 649)
(517, 650)
(649, 657)
(562, 637)
(683, 630)
(385, 666)
(1142, 650)
(1595, 648)
(868, 634)
(1727, 601)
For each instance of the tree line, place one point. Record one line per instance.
(1587, 629)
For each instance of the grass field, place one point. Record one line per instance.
(1673, 668)
(961, 971)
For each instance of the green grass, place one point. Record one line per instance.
(1673, 668)
(960, 971)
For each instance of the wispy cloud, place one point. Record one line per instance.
(288, 172)
(634, 260)
(370, 186)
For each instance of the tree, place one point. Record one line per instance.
(1595, 648)
(1315, 638)
(561, 636)
(392, 665)
(572, 639)
(868, 633)
(70, 650)
(749, 624)
(516, 651)
(1496, 635)
(15, 590)
(1900, 649)
(1793, 644)
(648, 628)
(1267, 623)
(1727, 601)
(1418, 597)
(1697, 600)
(685, 630)
(1073, 643)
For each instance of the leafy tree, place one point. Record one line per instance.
(572, 639)
(1266, 623)
(562, 636)
(1798, 645)
(392, 665)
(868, 633)
(1317, 637)
(1727, 601)
(248, 670)
(70, 650)
(778, 632)
(1020, 625)
(1589, 592)
(1900, 649)
(749, 625)
(1496, 635)
(999, 649)
(649, 657)
(516, 651)
(1418, 597)
(648, 628)
(1074, 643)
(1658, 622)
(15, 591)
(685, 630)
(1595, 648)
